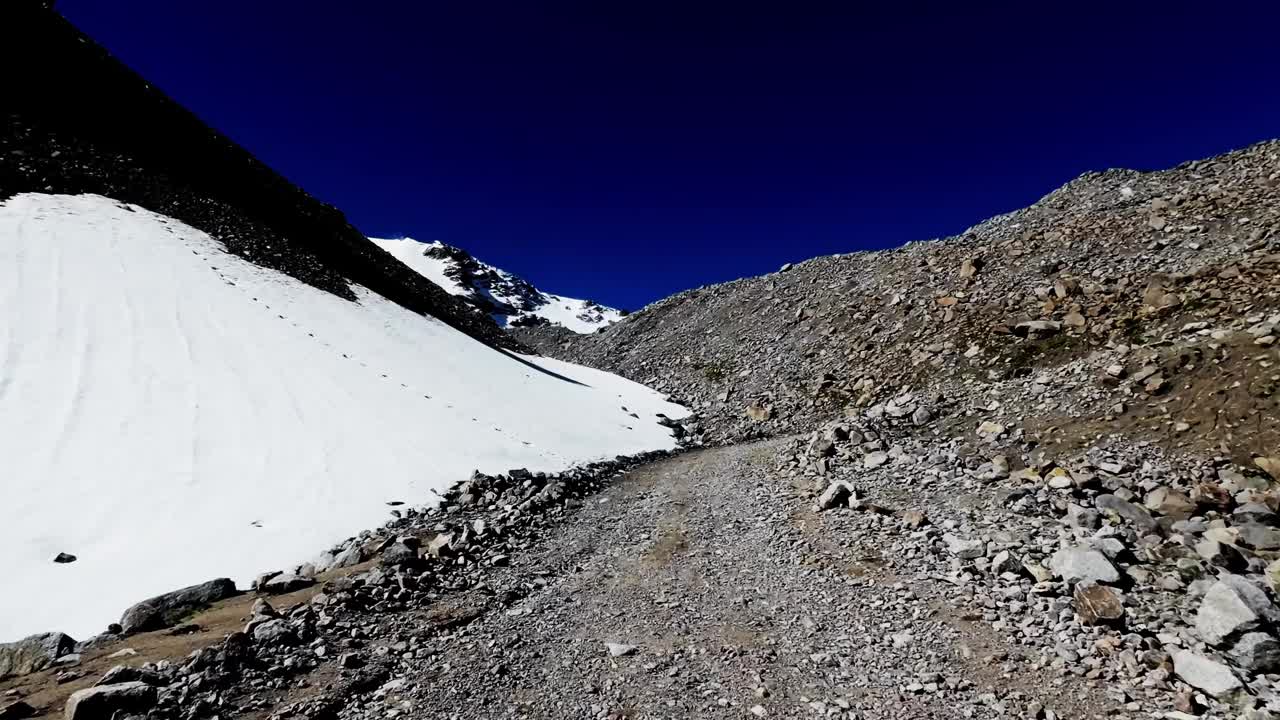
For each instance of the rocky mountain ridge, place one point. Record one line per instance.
(59, 137)
(508, 299)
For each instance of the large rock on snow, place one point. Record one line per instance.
(104, 701)
(1231, 607)
(33, 654)
(171, 608)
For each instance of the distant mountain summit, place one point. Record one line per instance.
(509, 299)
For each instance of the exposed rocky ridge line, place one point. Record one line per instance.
(509, 299)
(76, 120)
(1117, 262)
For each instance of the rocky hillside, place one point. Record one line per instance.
(1140, 303)
(76, 120)
(506, 297)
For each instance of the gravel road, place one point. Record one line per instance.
(702, 586)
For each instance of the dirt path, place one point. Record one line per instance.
(727, 597)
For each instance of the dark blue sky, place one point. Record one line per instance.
(622, 151)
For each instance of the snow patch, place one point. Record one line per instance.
(171, 413)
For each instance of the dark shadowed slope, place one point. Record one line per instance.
(76, 120)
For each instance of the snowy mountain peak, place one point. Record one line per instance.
(509, 299)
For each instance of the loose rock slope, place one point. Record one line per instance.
(1175, 270)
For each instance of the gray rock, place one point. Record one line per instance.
(964, 548)
(1231, 607)
(347, 558)
(1256, 652)
(33, 654)
(1170, 503)
(286, 583)
(1081, 517)
(1037, 328)
(1204, 674)
(620, 649)
(1082, 564)
(836, 495)
(1220, 554)
(104, 701)
(172, 608)
(1135, 515)
(441, 545)
(875, 459)
(273, 632)
(1258, 537)
(1256, 513)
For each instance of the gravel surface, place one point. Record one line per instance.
(701, 586)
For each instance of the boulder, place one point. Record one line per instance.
(347, 558)
(620, 649)
(273, 632)
(285, 583)
(1170, 503)
(875, 459)
(1256, 653)
(1220, 554)
(33, 654)
(1203, 674)
(1135, 515)
(1037, 328)
(170, 609)
(1098, 604)
(16, 710)
(104, 701)
(1232, 606)
(1083, 565)
(837, 494)
(1258, 537)
(964, 548)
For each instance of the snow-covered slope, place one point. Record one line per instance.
(508, 298)
(170, 412)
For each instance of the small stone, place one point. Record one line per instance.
(64, 558)
(759, 711)
(620, 649)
